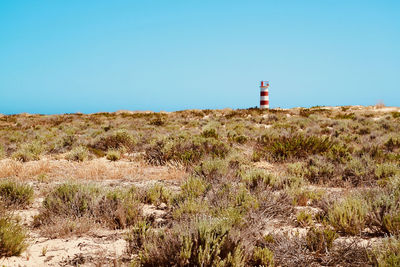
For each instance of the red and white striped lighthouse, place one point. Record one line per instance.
(264, 97)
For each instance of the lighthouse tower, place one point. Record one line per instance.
(264, 97)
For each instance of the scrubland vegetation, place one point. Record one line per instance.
(299, 187)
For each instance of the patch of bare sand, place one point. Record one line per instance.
(97, 169)
(106, 246)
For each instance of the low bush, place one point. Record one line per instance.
(360, 171)
(28, 152)
(113, 155)
(79, 153)
(116, 208)
(120, 139)
(387, 170)
(263, 257)
(384, 214)
(186, 150)
(349, 215)
(304, 218)
(396, 115)
(210, 133)
(12, 237)
(13, 194)
(158, 194)
(387, 254)
(2, 152)
(193, 188)
(295, 146)
(320, 240)
(202, 243)
(259, 179)
(392, 144)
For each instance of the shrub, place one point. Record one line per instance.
(388, 254)
(349, 216)
(210, 133)
(392, 144)
(187, 208)
(157, 194)
(184, 149)
(119, 208)
(345, 116)
(116, 208)
(192, 188)
(259, 178)
(304, 218)
(396, 115)
(384, 215)
(120, 139)
(137, 236)
(71, 200)
(212, 169)
(295, 146)
(263, 257)
(79, 153)
(360, 171)
(28, 152)
(320, 240)
(386, 170)
(113, 155)
(12, 237)
(203, 243)
(2, 152)
(316, 170)
(15, 194)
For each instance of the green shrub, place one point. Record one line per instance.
(2, 152)
(392, 144)
(71, 200)
(346, 116)
(384, 215)
(12, 237)
(396, 115)
(120, 139)
(320, 240)
(387, 170)
(349, 216)
(263, 257)
(158, 194)
(210, 133)
(190, 207)
(212, 169)
(259, 178)
(387, 254)
(116, 208)
(296, 146)
(113, 155)
(204, 243)
(193, 187)
(237, 138)
(28, 152)
(137, 236)
(15, 194)
(185, 149)
(360, 171)
(119, 208)
(79, 153)
(304, 218)
(316, 170)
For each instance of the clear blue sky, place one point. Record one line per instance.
(95, 55)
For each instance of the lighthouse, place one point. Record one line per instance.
(264, 97)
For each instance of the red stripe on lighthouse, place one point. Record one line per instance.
(264, 93)
(264, 102)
